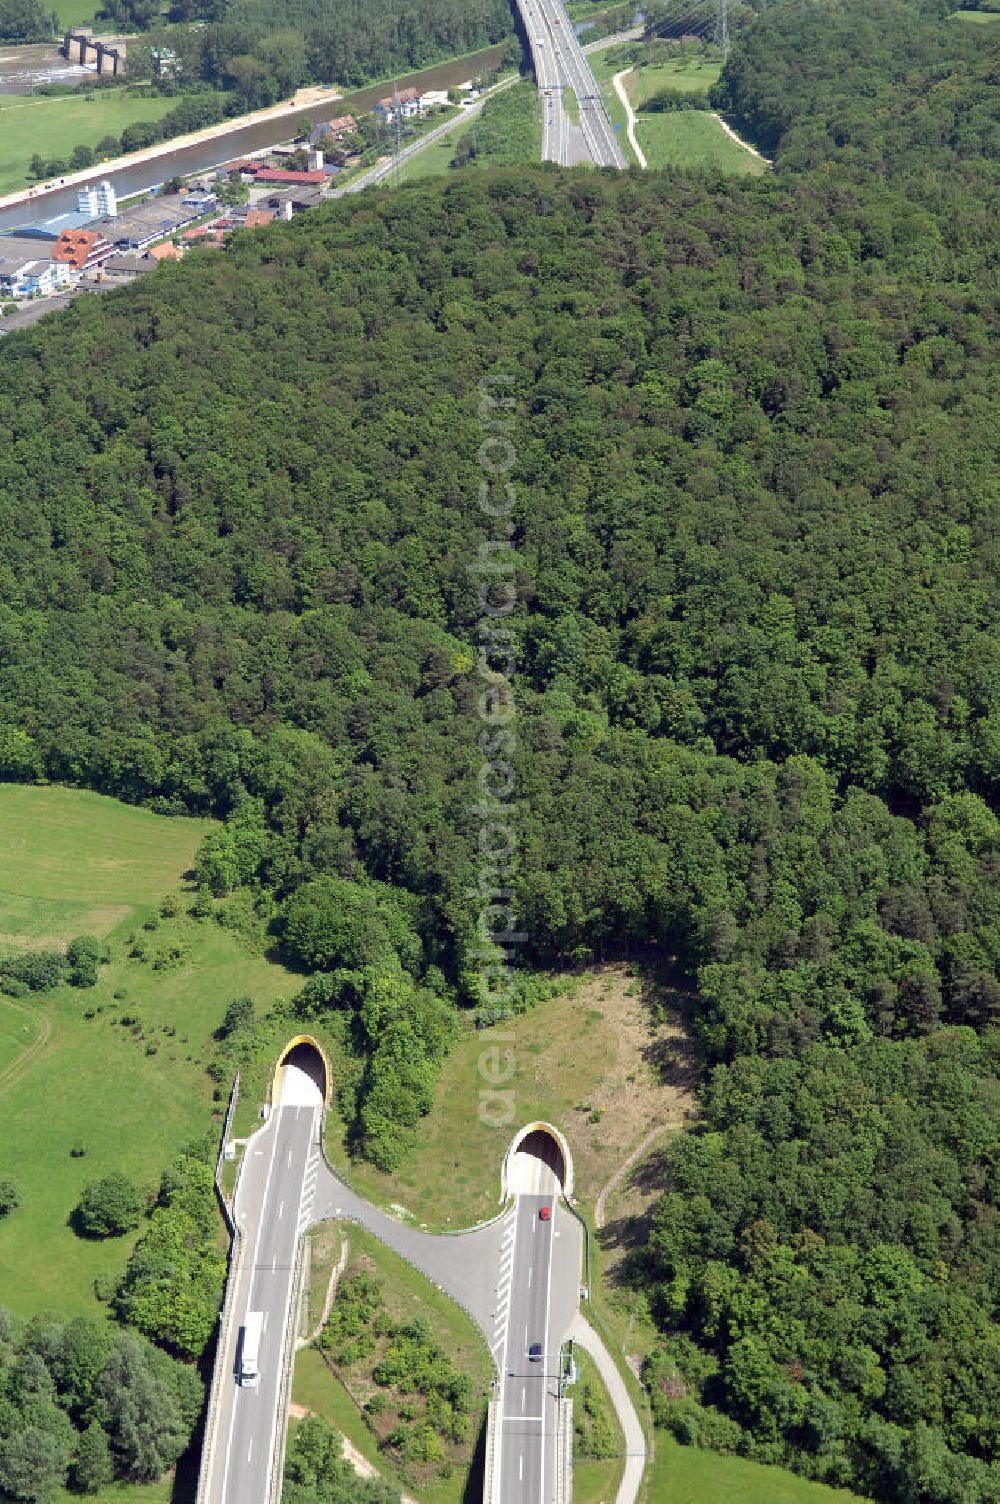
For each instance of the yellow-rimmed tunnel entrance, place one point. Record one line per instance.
(307, 1055)
(538, 1155)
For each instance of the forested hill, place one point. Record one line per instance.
(758, 687)
(888, 88)
(754, 528)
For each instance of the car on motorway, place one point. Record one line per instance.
(544, 1213)
(535, 1352)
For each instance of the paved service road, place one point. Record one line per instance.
(273, 1206)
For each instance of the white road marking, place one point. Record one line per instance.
(281, 1208)
(523, 1395)
(250, 1449)
(256, 1249)
(545, 1339)
(529, 1279)
(520, 1469)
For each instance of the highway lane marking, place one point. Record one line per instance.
(545, 1338)
(520, 1468)
(285, 1312)
(253, 1265)
(281, 1208)
(529, 1277)
(524, 1393)
(250, 1449)
(502, 1327)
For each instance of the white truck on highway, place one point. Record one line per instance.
(250, 1349)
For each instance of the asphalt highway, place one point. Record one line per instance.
(527, 1458)
(560, 65)
(517, 1276)
(279, 1180)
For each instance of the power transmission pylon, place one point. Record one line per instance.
(721, 37)
(397, 138)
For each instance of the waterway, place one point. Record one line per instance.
(241, 141)
(22, 69)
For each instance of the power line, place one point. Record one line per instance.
(721, 37)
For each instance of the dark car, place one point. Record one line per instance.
(535, 1352)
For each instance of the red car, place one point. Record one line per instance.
(545, 1214)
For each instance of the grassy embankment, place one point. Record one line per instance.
(52, 127)
(595, 1479)
(338, 1397)
(130, 1095)
(686, 1475)
(605, 1062)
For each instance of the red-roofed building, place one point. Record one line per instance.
(207, 234)
(255, 218)
(343, 125)
(165, 251)
(81, 249)
(286, 175)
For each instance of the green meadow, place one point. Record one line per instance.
(687, 1475)
(53, 126)
(119, 1081)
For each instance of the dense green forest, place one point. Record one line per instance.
(265, 51)
(82, 1401)
(25, 21)
(758, 677)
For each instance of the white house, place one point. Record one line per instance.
(25, 270)
(409, 105)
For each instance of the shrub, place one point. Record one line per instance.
(108, 1208)
(9, 1197)
(84, 954)
(38, 970)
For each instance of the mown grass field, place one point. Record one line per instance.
(406, 1294)
(52, 127)
(976, 17)
(686, 1475)
(678, 138)
(75, 12)
(688, 75)
(72, 862)
(20, 1028)
(692, 138)
(130, 1094)
(434, 160)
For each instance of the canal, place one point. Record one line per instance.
(243, 140)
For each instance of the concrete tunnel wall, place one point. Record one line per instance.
(566, 1175)
(310, 1056)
